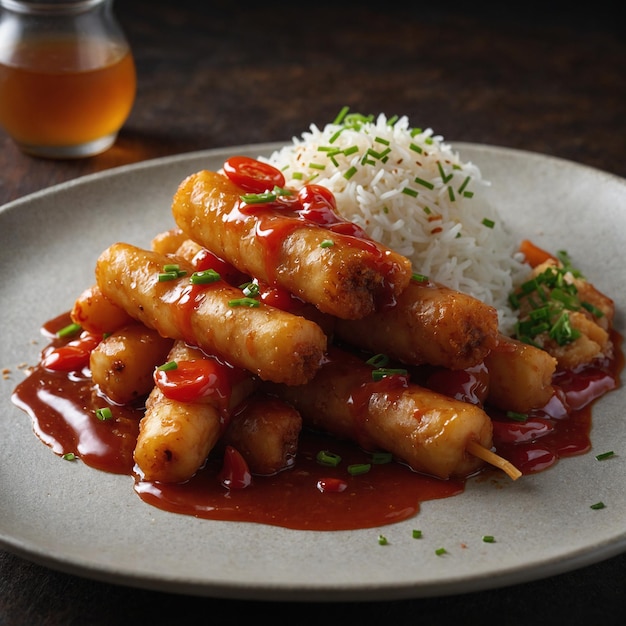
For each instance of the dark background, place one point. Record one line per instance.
(214, 74)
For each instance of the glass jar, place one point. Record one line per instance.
(67, 76)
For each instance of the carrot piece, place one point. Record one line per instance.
(534, 254)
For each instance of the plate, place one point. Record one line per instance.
(76, 519)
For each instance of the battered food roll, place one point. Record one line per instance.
(273, 344)
(265, 432)
(348, 278)
(430, 432)
(429, 324)
(175, 436)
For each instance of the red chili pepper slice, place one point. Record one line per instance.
(72, 356)
(192, 380)
(335, 485)
(253, 176)
(235, 473)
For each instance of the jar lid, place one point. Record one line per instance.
(48, 6)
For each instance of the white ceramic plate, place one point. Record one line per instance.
(73, 518)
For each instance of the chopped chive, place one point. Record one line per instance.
(451, 194)
(410, 192)
(419, 278)
(357, 469)
(341, 115)
(167, 276)
(69, 456)
(297, 176)
(104, 414)
(382, 372)
(378, 360)
(605, 455)
(204, 277)
(597, 506)
(249, 302)
(330, 459)
(461, 189)
(382, 540)
(424, 183)
(489, 539)
(385, 142)
(250, 289)
(518, 417)
(350, 173)
(69, 330)
(488, 223)
(258, 198)
(327, 243)
(415, 148)
(351, 150)
(416, 534)
(444, 177)
(166, 367)
(317, 166)
(381, 458)
(440, 551)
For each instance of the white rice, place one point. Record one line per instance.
(439, 224)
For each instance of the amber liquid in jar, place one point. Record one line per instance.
(61, 92)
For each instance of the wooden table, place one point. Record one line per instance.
(213, 76)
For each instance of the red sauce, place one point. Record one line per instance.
(307, 496)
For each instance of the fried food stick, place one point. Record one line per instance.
(273, 344)
(265, 431)
(430, 324)
(520, 376)
(432, 433)
(348, 279)
(176, 437)
(122, 364)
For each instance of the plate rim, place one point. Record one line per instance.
(380, 591)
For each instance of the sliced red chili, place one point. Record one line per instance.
(235, 473)
(253, 176)
(195, 379)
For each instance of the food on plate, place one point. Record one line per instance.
(355, 287)
(294, 240)
(211, 314)
(429, 324)
(427, 430)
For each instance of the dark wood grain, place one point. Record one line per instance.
(217, 73)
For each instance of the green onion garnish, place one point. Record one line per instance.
(380, 458)
(382, 540)
(605, 455)
(204, 277)
(69, 330)
(166, 367)
(416, 534)
(378, 360)
(250, 290)
(597, 506)
(330, 459)
(440, 551)
(258, 198)
(249, 302)
(104, 414)
(69, 456)
(419, 278)
(489, 539)
(518, 417)
(383, 372)
(327, 243)
(488, 223)
(359, 468)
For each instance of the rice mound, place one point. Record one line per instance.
(410, 191)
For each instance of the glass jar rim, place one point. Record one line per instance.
(49, 6)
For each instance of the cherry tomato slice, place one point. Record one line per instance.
(72, 356)
(331, 485)
(235, 473)
(193, 380)
(253, 176)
